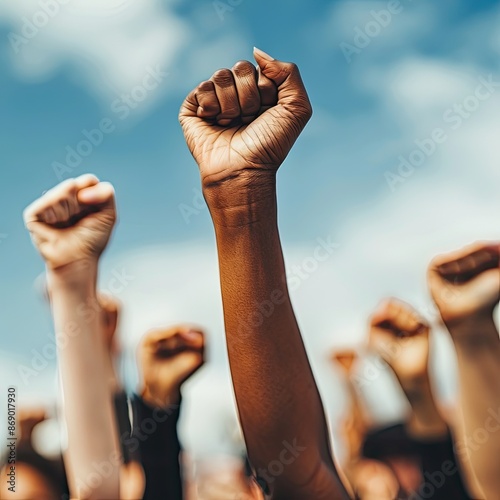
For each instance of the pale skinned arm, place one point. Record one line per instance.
(240, 125)
(465, 286)
(401, 337)
(368, 478)
(70, 226)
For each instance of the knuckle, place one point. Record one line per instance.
(206, 86)
(244, 68)
(223, 78)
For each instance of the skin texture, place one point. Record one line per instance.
(240, 125)
(465, 286)
(401, 338)
(167, 358)
(70, 226)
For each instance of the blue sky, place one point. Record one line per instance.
(368, 112)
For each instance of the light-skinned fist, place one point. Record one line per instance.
(401, 338)
(465, 284)
(73, 221)
(345, 359)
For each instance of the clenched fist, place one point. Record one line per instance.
(401, 338)
(466, 284)
(167, 358)
(243, 122)
(73, 221)
(345, 359)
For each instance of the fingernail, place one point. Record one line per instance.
(263, 54)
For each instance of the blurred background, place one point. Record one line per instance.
(399, 163)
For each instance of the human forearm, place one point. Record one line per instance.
(275, 390)
(425, 420)
(240, 126)
(88, 410)
(478, 352)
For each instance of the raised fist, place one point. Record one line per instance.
(73, 221)
(345, 359)
(401, 338)
(245, 120)
(466, 283)
(167, 358)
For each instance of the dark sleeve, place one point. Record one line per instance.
(124, 426)
(155, 430)
(441, 471)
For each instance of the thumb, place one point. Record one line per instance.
(98, 194)
(292, 93)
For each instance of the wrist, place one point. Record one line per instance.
(427, 425)
(419, 395)
(242, 200)
(417, 387)
(77, 275)
(425, 419)
(161, 397)
(475, 331)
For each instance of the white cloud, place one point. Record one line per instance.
(108, 45)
